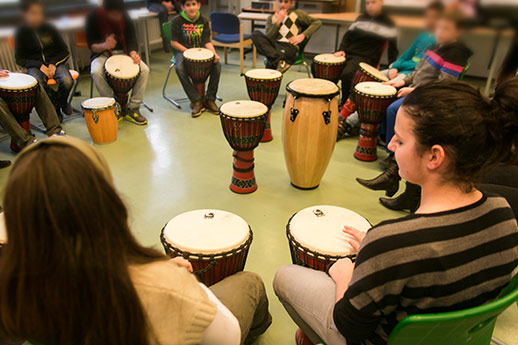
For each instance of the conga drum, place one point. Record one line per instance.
(372, 101)
(309, 129)
(243, 125)
(198, 62)
(263, 86)
(316, 236)
(215, 242)
(100, 114)
(19, 92)
(3, 232)
(121, 74)
(328, 66)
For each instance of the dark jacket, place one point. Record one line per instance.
(367, 37)
(42, 46)
(190, 34)
(94, 34)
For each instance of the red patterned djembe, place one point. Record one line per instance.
(243, 124)
(372, 100)
(121, 74)
(328, 66)
(263, 86)
(198, 62)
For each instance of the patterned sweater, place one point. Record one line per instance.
(296, 22)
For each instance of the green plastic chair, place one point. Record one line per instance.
(472, 326)
(465, 71)
(301, 59)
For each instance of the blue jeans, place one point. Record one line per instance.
(387, 127)
(63, 78)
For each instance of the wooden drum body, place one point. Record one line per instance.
(101, 119)
(19, 91)
(372, 101)
(316, 238)
(263, 86)
(243, 125)
(309, 130)
(328, 66)
(215, 242)
(198, 62)
(3, 232)
(121, 74)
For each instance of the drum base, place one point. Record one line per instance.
(304, 188)
(200, 88)
(243, 178)
(267, 136)
(25, 125)
(366, 150)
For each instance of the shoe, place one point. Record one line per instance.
(268, 64)
(61, 133)
(387, 181)
(134, 115)
(346, 130)
(301, 338)
(410, 199)
(283, 66)
(5, 164)
(211, 106)
(67, 109)
(387, 161)
(197, 108)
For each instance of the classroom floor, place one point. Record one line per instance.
(177, 164)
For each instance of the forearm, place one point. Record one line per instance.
(98, 47)
(178, 47)
(314, 25)
(341, 288)
(210, 47)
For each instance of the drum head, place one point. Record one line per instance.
(376, 89)
(207, 231)
(329, 59)
(201, 54)
(263, 74)
(319, 228)
(121, 67)
(373, 71)
(243, 109)
(98, 102)
(313, 87)
(3, 231)
(18, 81)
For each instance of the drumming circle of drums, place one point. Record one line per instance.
(243, 125)
(3, 232)
(121, 74)
(372, 101)
(215, 242)
(100, 114)
(328, 66)
(263, 86)
(309, 129)
(198, 62)
(19, 92)
(316, 236)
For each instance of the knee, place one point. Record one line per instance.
(67, 81)
(253, 282)
(144, 69)
(257, 35)
(97, 71)
(283, 281)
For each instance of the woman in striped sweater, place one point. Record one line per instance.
(457, 251)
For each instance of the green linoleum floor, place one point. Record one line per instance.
(177, 164)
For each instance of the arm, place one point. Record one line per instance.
(272, 29)
(95, 41)
(178, 47)
(405, 60)
(311, 24)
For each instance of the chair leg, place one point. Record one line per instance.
(91, 87)
(147, 106)
(241, 58)
(497, 342)
(225, 50)
(166, 97)
(254, 55)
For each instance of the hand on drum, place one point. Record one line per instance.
(4, 73)
(216, 58)
(110, 42)
(396, 83)
(136, 58)
(296, 40)
(182, 263)
(392, 73)
(339, 53)
(357, 234)
(405, 91)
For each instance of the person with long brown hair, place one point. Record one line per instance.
(72, 273)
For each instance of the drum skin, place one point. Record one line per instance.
(308, 141)
(102, 124)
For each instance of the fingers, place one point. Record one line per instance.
(355, 245)
(357, 234)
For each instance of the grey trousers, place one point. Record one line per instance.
(309, 297)
(245, 296)
(46, 112)
(187, 85)
(105, 90)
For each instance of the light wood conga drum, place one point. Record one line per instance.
(101, 119)
(309, 129)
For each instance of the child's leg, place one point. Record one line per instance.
(137, 95)
(97, 72)
(47, 113)
(42, 80)
(185, 80)
(65, 82)
(20, 136)
(266, 47)
(288, 51)
(212, 89)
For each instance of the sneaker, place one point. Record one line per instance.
(61, 133)
(5, 164)
(268, 64)
(134, 115)
(197, 108)
(67, 109)
(283, 66)
(211, 106)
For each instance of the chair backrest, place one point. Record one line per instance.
(472, 326)
(300, 54)
(224, 23)
(166, 32)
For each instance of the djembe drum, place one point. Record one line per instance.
(243, 125)
(121, 74)
(198, 62)
(372, 100)
(263, 86)
(19, 91)
(328, 66)
(309, 129)
(316, 238)
(100, 114)
(215, 242)
(365, 73)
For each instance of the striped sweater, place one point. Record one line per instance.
(428, 263)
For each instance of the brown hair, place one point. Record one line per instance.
(456, 16)
(477, 133)
(64, 272)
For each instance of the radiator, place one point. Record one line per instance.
(153, 29)
(7, 57)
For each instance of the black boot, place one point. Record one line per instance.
(388, 181)
(410, 199)
(387, 161)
